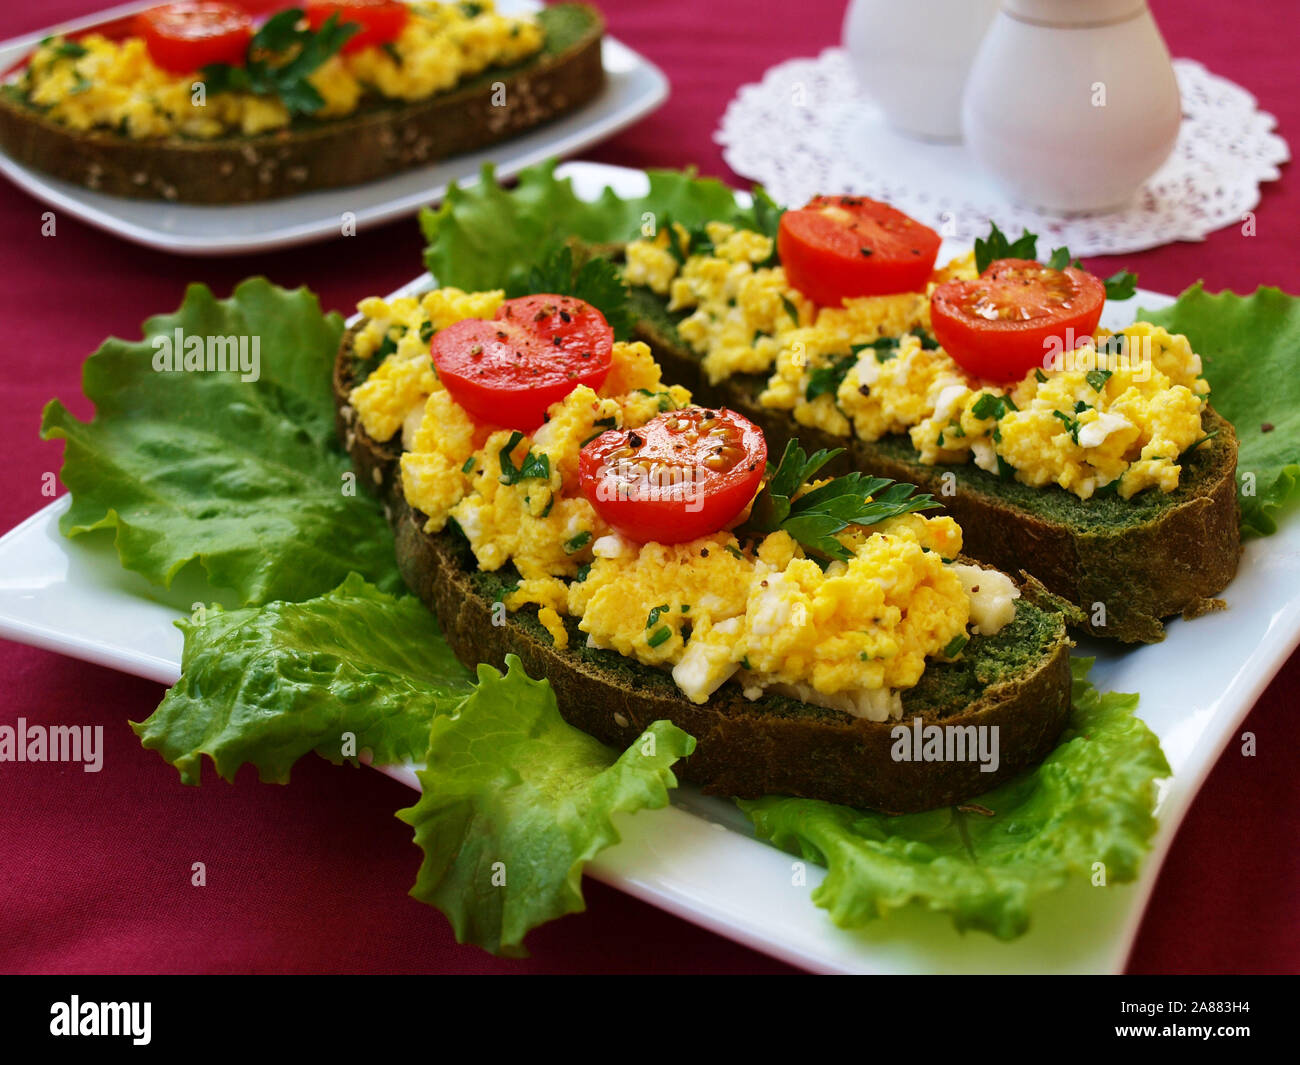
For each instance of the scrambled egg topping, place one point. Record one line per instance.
(852, 636)
(1114, 415)
(113, 84)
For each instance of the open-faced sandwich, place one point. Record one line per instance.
(553, 498)
(1090, 459)
(194, 101)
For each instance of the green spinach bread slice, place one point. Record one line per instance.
(1012, 689)
(1118, 567)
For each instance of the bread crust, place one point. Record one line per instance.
(377, 142)
(744, 749)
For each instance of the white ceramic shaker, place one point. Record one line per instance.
(1072, 104)
(912, 56)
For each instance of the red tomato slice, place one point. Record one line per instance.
(536, 351)
(680, 476)
(1000, 326)
(186, 36)
(839, 247)
(380, 20)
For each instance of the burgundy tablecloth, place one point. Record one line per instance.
(95, 868)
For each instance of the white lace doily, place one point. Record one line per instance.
(808, 129)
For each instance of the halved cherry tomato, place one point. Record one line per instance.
(380, 20)
(839, 247)
(682, 475)
(186, 36)
(1000, 326)
(536, 351)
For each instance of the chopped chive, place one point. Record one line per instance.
(660, 635)
(653, 618)
(578, 542)
(1071, 424)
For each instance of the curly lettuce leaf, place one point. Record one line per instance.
(1091, 800)
(516, 801)
(266, 685)
(244, 476)
(1249, 345)
(485, 236)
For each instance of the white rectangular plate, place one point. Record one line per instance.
(697, 858)
(634, 87)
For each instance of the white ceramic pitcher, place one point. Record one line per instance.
(1072, 104)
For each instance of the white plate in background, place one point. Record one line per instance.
(697, 858)
(633, 88)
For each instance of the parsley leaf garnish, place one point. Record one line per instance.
(1119, 286)
(280, 57)
(1061, 259)
(996, 246)
(597, 281)
(815, 517)
(533, 468)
